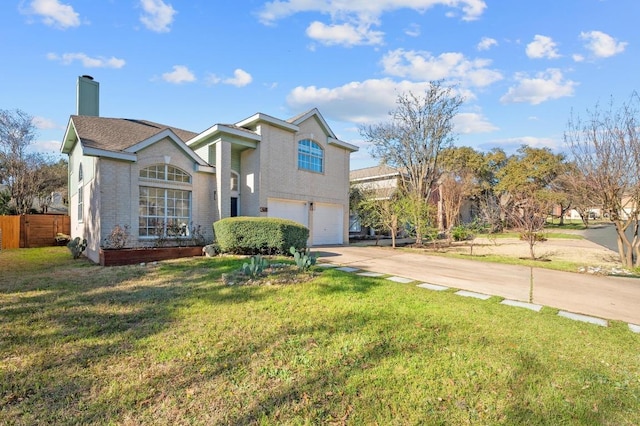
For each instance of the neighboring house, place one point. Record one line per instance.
(383, 181)
(153, 177)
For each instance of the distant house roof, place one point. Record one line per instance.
(372, 173)
(106, 133)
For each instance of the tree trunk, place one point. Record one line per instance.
(532, 242)
(624, 246)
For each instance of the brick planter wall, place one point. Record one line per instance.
(133, 256)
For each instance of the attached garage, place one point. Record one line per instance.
(288, 209)
(328, 221)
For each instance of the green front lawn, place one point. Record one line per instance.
(171, 344)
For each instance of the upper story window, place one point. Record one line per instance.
(165, 172)
(80, 177)
(310, 156)
(235, 177)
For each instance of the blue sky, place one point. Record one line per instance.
(522, 66)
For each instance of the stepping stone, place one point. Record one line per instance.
(433, 287)
(583, 318)
(370, 274)
(635, 328)
(472, 294)
(347, 269)
(327, 265)
(525, 305)
(400, 280)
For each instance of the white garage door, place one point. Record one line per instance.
(328, 221)
(287, 209)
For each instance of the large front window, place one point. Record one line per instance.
(310, 156)
(164, 212)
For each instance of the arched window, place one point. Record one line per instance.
(164, 212)
(310, 156)
(165, 172)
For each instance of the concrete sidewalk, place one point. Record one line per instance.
(600, 296)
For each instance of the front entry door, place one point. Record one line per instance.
(234, 206)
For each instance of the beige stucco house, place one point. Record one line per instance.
(148, 175)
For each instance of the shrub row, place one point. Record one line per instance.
(259, 235)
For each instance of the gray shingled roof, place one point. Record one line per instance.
(372, 172)
(118, 134)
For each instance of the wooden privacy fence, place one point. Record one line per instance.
(32, 230)
(9, 232)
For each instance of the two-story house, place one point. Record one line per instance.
(149, 176)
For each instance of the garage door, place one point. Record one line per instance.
(287, 209)
(328, 221)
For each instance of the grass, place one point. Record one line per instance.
(556, 265)
(548, 235)
(171, 344)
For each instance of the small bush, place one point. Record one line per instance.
(118, 237)
(537, 237)
(461, 233)
(259, 235)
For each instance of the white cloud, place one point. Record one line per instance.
(577, 57)
(602, 45)
(157, 16)
(240, 78)
(351, 21)
(42, 123)
(54, 13)
(357, 102)
(179, 75)
(487, 43)
(423, 66)
(413, 30)
(50, 147)
(472, 122)
(542, 47)
(344, 34)
(512, 144)
(278, 9)
(87, 61)
(545, 86)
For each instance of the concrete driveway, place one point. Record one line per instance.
(598, 296)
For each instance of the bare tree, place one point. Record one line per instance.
(26, 174)
(412, 140)
(606, 151)
(529, 215)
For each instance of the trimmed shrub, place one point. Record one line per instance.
(259, 235)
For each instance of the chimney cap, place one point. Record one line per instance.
(88, 77)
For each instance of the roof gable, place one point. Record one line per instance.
(121, 138)
(314, 113)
